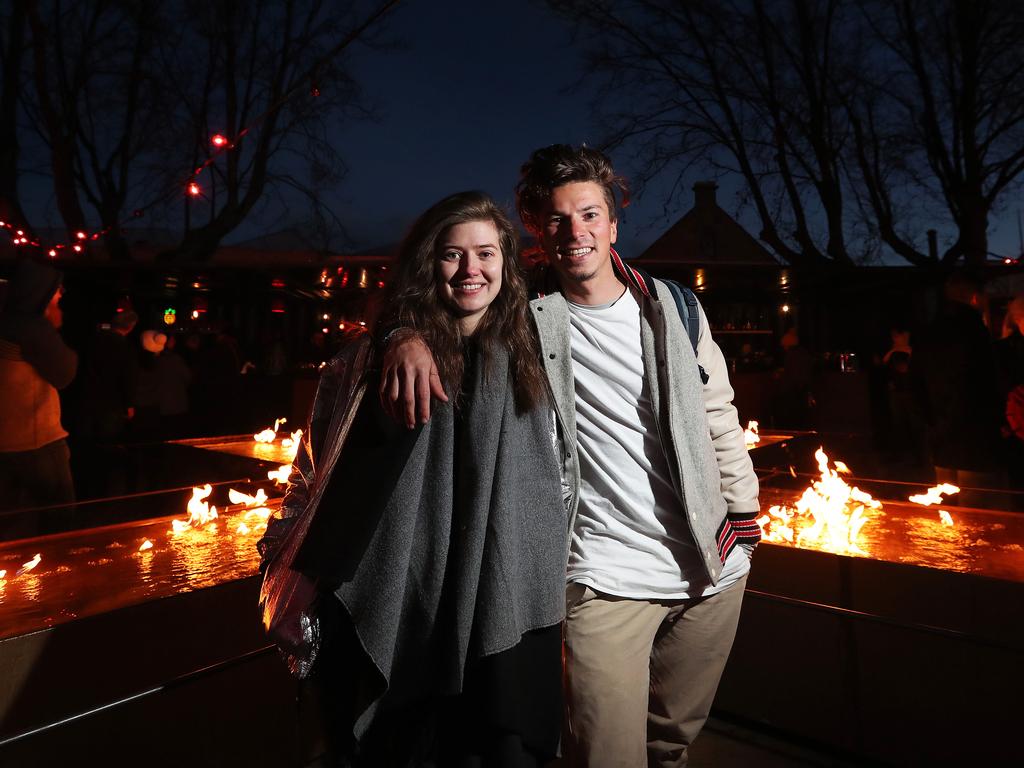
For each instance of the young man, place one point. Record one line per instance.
(661, 493)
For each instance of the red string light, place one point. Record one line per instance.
(219, 141)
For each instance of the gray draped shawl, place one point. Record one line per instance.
(468, 552)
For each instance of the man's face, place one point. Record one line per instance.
(577, 232)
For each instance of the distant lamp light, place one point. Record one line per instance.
(195, 314)
(76, 248)
(81, 235)
(219, 140)
(52, 252)
(1007, 261)
(785, 309)
(326, 316)
(194, 189)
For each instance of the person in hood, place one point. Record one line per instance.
(34, 363)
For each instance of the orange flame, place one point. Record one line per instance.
(147, 544)
(751, 436)
(3, 575)
(237, 497)
(829, 514)
(945, 517)
(242, 528)
(934, 495)
(281, 474)
(200, 513)
(26, 567)
(269, 434)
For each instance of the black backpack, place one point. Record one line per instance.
(686, 304)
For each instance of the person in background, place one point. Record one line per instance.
(146, 424)
(173, 378)
(794, 396)
(106, 406)
(906, 439)
(1010, 354)
(34, 363)
(954, 365)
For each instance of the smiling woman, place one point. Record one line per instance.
(438, 553)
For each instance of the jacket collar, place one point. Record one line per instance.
(545, 280)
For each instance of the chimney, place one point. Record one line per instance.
(704, 194)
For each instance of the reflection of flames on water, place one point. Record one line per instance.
(829, 515)
(147, 544)
(934, 496)
(751, 436)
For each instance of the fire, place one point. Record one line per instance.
(200, 513)
(292, 442)
(3, 574)
(828, 516)
(945, 517)
(147, 544)
(841, 467)
(934, 495)
(242, 528)
(750, 435)
(269, 434)
(26, 567)
(237, 497)
(281, 474)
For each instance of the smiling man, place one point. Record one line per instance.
(660, 490)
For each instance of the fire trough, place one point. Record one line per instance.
(905, 648)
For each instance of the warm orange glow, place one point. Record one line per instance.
(750, 435)
(829, 515)
(242, 528)
(269, 434)
(237, 497)
(194, 189)
(934, 495)
(200, 513)
(26, 567)
(3, 574)
(945, 517)
(281, 474)
(840, 467)
(147, 544)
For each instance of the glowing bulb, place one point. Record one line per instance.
(219, 140)
(785, 307)
(53, 251)
(194, 189)
(76, 248)
(195, 314)
(81, 235)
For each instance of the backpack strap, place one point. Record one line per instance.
(686, 305)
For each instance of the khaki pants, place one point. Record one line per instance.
(641, 674)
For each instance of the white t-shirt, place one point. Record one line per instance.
(631, 537)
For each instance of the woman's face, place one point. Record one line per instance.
(469, 264)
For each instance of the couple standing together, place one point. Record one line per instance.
(575, 488)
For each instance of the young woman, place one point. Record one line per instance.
(439, 553)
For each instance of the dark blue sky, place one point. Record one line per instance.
(472, 89)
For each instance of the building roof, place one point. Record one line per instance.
(706, 235)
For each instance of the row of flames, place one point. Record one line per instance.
(203, 516)
(830, 514)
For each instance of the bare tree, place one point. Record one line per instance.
(126, 96)
(942, 114)
(842, 116)
(12, 51)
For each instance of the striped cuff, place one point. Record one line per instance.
(737, 528)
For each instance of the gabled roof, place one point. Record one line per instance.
(706, 235)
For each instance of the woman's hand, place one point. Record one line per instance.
(409, 379)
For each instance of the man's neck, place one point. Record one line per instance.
(602, 289)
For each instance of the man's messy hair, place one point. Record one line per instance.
(562, 164)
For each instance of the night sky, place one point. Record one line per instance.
(470, 90)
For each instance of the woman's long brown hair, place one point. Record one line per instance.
(416, 302)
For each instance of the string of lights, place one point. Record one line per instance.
(219, 144)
